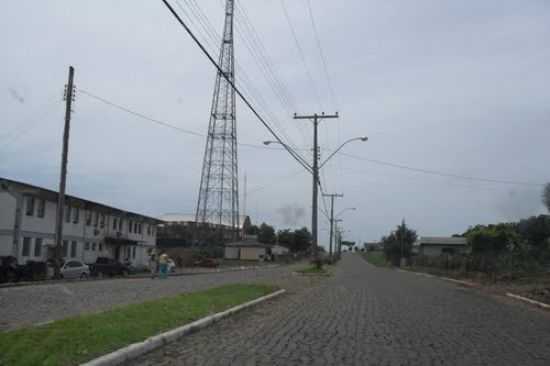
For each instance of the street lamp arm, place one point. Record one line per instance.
(344, 210)
(364, 138)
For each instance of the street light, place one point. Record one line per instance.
(362, 139)
(314, 170)
(346, 209)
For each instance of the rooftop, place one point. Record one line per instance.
(52, 195)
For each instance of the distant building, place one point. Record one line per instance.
(91, 229)
(249, 249)
(435, 246)
(179, 230)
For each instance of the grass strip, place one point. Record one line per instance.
(82, 338)
(376, 258)
(313, 270)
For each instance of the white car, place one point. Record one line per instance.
(171, 266)
(75, 269)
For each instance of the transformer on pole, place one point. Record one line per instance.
(218, 201)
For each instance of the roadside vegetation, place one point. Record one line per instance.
(375, 257)
(79, 339)
(512, 255)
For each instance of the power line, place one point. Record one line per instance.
(293, 153)
(301, 52)
(213, 37)
(440, 173)
(373, 161)
(323, 58)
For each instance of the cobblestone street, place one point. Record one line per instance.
(365, 315)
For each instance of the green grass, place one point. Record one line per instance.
(75, 340)
(313, 270)
(376, 258)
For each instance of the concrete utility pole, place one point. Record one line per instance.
(332, 197)
(69, 98)
(338, 239)
(316, 118)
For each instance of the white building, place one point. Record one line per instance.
(432, 246)
(91, 230)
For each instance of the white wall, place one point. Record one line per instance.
(7, 211)
(34, 227)
(6, 245)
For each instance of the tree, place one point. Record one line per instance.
(398, 244)
(302, 239)
(246, 224)
(297, 240)
(536, 231)
(252, 230)
(492, 239)
(546, 196)
(266, 234)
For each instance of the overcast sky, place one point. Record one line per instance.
(455, 86)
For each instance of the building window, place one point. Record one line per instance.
(120, 224)
(148, 229)
(93, 247)
(134, 252)
(115, 223)
(73, 249)
(135, 227)
(67, 213)
(102, 223)
(88, 218)
(130, 225)
(100, 247)
(87, 245)
(41, 208)
(38, 247)
(29, 210)
(26, 247)
(96, 220)
(65, 248)
(76, 215)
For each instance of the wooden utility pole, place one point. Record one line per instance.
(332, 197)
(316, 118)
(69, 98)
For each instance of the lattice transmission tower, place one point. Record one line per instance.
(218, 201)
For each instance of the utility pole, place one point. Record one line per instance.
(338, 237)
(332, 197)
(69, 98)
(316, 118)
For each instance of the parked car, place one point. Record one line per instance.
(75, 269)
(108, 267)
(206, 262)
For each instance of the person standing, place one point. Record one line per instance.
(163, 266)
(153, 265)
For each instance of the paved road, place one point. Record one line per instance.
(371, 316)
(35, 304)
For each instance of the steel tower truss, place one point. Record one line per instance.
(218, 201)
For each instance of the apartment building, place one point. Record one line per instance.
(91, 229)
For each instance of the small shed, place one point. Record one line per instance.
(248, 250)
(434, 246)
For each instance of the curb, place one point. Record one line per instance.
(137, 349)
(528, 300)
(459, 282)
